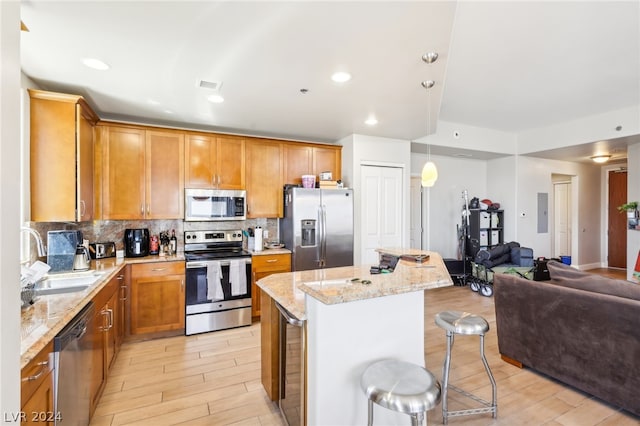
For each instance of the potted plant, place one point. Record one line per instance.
(631, 208)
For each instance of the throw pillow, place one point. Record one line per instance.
(567, 276)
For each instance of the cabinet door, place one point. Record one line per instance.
(98, 373)
(121, 314)
(230, 163)
(200, 161)
(264, 178)
(53, 159)
(110, 313)
(84, 140)
(298, 160)
(123, 173)
(164, 158)
(157, 297)
(39, 409)
(36, 389)
(327, 160)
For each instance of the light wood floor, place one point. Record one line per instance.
(214, 379)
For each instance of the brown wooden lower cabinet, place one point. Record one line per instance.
(157, 297)
(37, 389)
(262, 266)
(269, 345)
(104, 339)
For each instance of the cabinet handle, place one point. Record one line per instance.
(148, 209)
(158, 269)
(182, 285)
(43, 368)
(109, 313)
(272, 260)
(83, 208)
(218, 180)
(142, 209)
(124, 293)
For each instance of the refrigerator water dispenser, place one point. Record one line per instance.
(308, 232)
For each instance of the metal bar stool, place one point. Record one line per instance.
(455, 322)
(400, 386)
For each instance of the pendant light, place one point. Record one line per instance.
(429, 170)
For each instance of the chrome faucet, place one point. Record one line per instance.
(39, 243)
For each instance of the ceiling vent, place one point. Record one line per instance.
(211, 85)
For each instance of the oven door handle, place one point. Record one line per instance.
(193, 265)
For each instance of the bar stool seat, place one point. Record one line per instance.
(400, 386)
(455, 322)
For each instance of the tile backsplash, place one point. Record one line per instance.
(113, 230)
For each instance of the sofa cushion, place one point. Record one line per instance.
(567, 276)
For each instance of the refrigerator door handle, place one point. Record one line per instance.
(320, 238)
(323, 210)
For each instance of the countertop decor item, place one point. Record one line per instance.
(273, 245)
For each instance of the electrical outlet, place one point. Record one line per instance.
(265, 234)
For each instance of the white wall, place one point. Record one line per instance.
(443, 202)
(362, 149)
(471, 137)
(633, 194)
(502, 179)
(514, 182)
(9, 207)
(588, 129)
(535, 175)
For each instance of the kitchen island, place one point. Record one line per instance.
(350, 324)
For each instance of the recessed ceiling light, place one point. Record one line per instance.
(462, 155)
(152, 102)
(341, 77)
(371, 121)
(96, 64)
(216, 99)
(168, 111)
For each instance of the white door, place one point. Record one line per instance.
(415, 227)
(562, 219)
(381, 210)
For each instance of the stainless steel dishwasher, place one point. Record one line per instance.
(73, 366)
(293, 370)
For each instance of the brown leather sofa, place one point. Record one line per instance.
(579, 328)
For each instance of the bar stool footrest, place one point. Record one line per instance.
(471, 411)
(488, 406)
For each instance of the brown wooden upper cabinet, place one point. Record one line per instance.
(304, 159)
(214, 162)
(142, 173)
(265, 167)
(62, 151)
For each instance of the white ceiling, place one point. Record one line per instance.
(508, 66)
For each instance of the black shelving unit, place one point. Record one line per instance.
(486, 230)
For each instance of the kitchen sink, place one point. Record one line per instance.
(67, 283)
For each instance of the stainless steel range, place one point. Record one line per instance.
(218, 281)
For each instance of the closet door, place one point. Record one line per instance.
(381, 213)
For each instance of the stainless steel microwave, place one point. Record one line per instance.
(214, 204)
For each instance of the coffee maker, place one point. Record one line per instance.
(136, 242)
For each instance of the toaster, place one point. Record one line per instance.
(102, 250)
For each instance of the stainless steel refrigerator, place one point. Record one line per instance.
(318, 227)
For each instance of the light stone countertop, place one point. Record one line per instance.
(269, 252)
(42, 321)
(334, 285)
